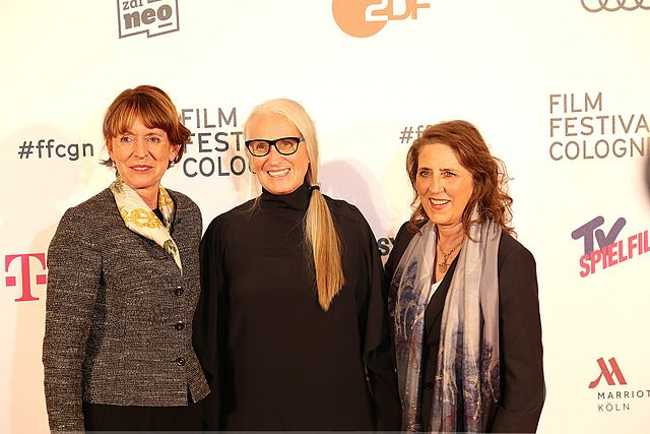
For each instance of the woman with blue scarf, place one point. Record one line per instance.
(463, 294)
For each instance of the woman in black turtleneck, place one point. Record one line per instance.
(293, 319)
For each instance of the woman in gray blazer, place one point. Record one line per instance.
(123, 286)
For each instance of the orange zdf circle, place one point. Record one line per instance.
(350, 15)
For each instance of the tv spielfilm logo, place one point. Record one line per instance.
(614, 5)
(364, 18)
(153, 17)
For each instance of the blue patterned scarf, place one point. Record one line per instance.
(468, 356)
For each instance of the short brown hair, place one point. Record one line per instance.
(156, 110)
(488, 174)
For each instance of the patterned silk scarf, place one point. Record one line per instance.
(139, 218)
(466, 384)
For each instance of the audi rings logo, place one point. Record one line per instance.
(614, 5)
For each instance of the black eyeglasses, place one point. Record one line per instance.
(284, 146)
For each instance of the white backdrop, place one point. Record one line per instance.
(558, 91)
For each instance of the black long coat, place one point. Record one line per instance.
(277, 360)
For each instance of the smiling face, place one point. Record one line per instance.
(443, 185)
(279, 174)
(141, 156)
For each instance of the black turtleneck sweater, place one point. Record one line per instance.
(274, 358)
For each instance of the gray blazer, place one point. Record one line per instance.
(118, 326)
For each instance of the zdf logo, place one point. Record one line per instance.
(363, 18)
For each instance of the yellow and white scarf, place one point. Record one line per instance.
(139, 218)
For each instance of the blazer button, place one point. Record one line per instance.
(180, 361)
(179, 291)
(179, 326)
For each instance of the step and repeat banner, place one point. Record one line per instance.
(558, 88)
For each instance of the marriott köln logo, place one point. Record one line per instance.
(153, 17)
(613, 393)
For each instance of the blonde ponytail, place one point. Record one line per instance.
(323, 241)
(321, 238)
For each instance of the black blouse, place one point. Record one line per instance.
(278, 361)
(520, 335)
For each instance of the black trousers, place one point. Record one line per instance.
(101, 417)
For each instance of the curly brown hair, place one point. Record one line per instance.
(488, 173)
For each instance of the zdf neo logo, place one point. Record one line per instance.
(153, 17)
(363, 18)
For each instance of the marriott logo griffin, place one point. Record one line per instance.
(612, 373)
(153, 17)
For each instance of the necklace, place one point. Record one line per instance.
(444, 265)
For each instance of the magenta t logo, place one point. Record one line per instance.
(25, 274)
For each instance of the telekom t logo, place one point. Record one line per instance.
(589, 231)
(609, 373)
(25, 273)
